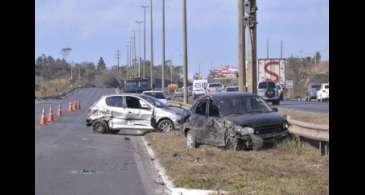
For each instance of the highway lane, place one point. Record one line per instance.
(313, 106)
(71, 159)
(321, 107)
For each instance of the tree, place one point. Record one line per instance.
(101, 64)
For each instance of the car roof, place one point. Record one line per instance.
(223, 95)
(123, 94)
(152, 91)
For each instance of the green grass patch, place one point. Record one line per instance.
(289, 167)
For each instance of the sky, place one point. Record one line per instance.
(97, 28)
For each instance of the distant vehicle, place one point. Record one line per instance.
(232, 89)
(281, 91)
(311, 91)
(133, 111)
(324, 92)
(215, 87)
(135, 85)
(269, 92)
(233, 120)
(199, 88)
(157, 94)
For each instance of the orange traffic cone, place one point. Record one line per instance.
(73, 106)
(69, 106)
(43, 121)
(59, 113)
(50, 115)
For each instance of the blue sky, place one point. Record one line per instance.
(97, 28)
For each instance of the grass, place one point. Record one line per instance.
(286, 168)
(310, 117)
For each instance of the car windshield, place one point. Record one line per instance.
(197, 85)
(215, 85)
(157, 95)
(265, 85)
(316, 86)
(243, 105)
(232, 89)
(153, 101)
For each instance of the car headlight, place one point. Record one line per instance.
(244, 130)
(285, 125)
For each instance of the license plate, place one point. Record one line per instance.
(273, 135)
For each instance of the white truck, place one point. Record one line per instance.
(324, 92)
(199, 88)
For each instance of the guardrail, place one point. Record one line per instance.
(311, 131)
(64, 93)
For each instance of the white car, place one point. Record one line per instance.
(157, 94)
(133, 111)
(215, 87)
(199, 88)
(324, 92)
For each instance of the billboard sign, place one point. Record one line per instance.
(271, 69)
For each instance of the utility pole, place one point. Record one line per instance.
(118, 55)
(252, 63)
(163, 47)
(140, 50)
(79, 73)
(144, 40)
(267, 49)
(127, 62)
(151, 68)
(185, 51)
(134, 54)
(281, 49)
(241, 47)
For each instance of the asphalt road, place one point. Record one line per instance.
(321, 107)
(313, 106)
(71, 159)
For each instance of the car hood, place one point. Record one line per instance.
(256, 119)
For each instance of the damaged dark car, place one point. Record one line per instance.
(233, 121)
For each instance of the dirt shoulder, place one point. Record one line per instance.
(304, 116)
(287, 168)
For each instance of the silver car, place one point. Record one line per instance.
(133, 111)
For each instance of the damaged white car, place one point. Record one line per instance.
(133, 111)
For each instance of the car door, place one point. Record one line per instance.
(213, 129)
(139, 113)
(118, 112)
(198, 118)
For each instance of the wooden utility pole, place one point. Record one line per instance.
(252, 48)
(185, 52)
(241, 47)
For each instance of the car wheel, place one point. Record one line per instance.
(165, 125)
(100, 127)
(190, 140)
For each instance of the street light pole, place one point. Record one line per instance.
(241, 47)
(185, 52)
(163, 46)
(144, 39)
(151, 68)
(140, 48)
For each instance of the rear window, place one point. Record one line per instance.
(156, 95)
(114, 101)
(265, 85)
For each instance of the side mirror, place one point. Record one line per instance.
(275, 109)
